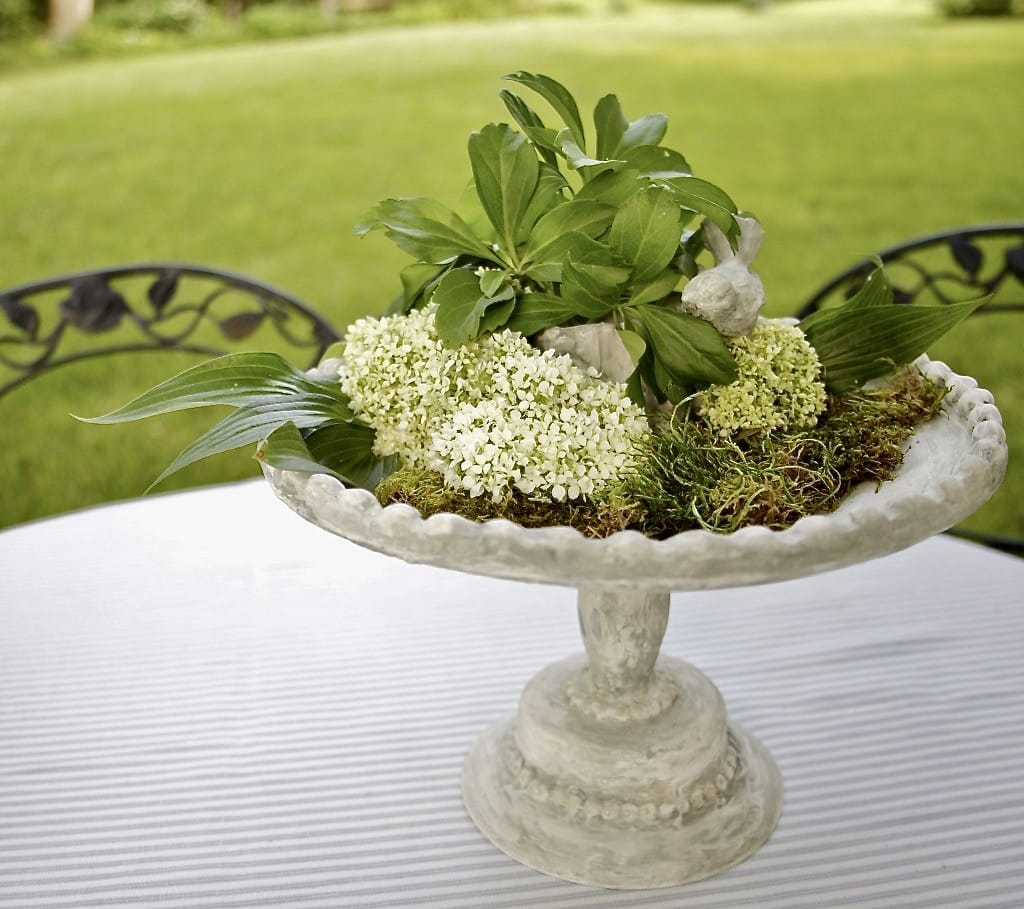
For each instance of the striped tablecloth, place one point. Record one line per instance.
(206, 702)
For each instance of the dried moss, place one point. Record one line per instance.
(691, 477)
(425, 491)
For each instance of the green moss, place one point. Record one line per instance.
(426, 492)
(693, 478)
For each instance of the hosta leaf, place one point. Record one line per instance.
(705, 198)
(237, 380)
(461, 305)
(285, 449)
(347, 449)
(249, 425)
(535, 312)
(558, 96)
(858, 343)
(427, 230)
(646, 232)
(505, 170)
(689, 350)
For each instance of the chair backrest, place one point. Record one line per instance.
(149, 306)
(950, 266)
(946, 267)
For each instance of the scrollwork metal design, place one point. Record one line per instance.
(946, 267)
(185, 307)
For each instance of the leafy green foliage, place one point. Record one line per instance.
(869, 335)
(570, 234)
(269, 395)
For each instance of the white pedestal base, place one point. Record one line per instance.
(622, 803)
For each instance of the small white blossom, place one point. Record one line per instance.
(492, 415)
(779, 384)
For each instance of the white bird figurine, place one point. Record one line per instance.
(728, 295)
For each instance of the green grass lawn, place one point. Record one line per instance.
(845, 126)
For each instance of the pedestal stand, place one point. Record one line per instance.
(621, 769)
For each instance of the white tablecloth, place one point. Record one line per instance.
(206, 702)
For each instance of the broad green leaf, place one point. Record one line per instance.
(249, 425)
(575, 244)
(551, 237)
(461, 305)
(347, 449)
(613, 187)
(690, 351)
(635, 345)
(558, 96)
(594, 290)
(877, 291)
(416, 280)
(545, 140)
(506, 170)
(427, 230)
(648, 130)
(646, 232)
(535, 312)
(547, 196)
(578, 159)
(529, 121)
(498, 313)
(285, 449)
(859, 342)
(704, 198)
(656, 162)
(235, 379)
(610, 125)
(656, 289)
(492, 280)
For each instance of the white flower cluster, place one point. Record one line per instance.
(779, 384)
(492, 415)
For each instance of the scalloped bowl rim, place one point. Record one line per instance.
(952, 465)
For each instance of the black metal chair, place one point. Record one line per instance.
(946, 267)
(149, 306)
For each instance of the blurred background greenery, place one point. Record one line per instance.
(845, 125)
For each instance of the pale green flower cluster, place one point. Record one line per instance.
(492, 415)
(779, 384)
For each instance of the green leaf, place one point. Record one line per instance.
(498, 313)
(551, 237)
(858, 341)
(461, 306)
(416, 280)
(593, 289)
(690, 351)
(646, 232)
(656, 162)
(575, 244)
(492, 280)
(427, 230)
(612, 187)
(505, 170)
(341, 450)
(236, 379)
(532, 125)
(610, 124)
(705, 198)
(656, 289)
(547, 196)
(648, 130)
(535, 312)
(347, 449)
(250, 424)
(558, 96)
(578, 159)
